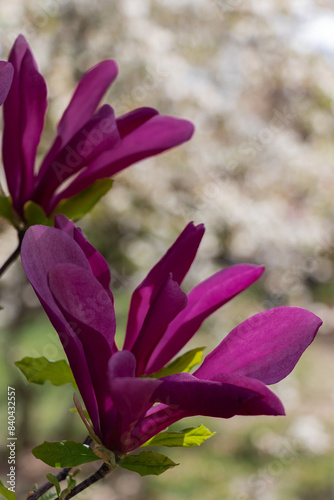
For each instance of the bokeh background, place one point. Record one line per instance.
(257, 79)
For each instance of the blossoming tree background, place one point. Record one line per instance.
(257, 79)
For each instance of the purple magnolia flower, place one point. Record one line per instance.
(6, 78)
(89, 145)
(72, 280)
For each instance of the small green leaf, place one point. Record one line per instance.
(70, 482)
(34, 214)
(6, 493)
(53, 479)
(77, 206)
(183, 363)
(49, 495)
(147, 462)
(39, 370)
(6, 209)
(62, 454)
(193, 436)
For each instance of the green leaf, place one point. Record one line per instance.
(39, 370)
(70, 482)
(34, 214)
(147, 462)
(193, 436)
(49, 495)
(6, 209)
(183, 363)
(62, 454)
(53, 479)
(77, 206)
(6, 493)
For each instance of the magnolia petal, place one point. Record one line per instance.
(167, 304)
(42, 249)
(98, 264)
(132, 397)
(203, 300)
(6, 78)
(122, 364)
(151, 138)
(24, 111)
(266, 346)
(85, 100)
(128, 122)
(177, 261)
(226, 395)
(33, 93)
(80, 295)
(98, 134)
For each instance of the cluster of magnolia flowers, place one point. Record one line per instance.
(132, 393)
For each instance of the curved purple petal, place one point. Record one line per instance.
(6, 78)
(151, 138)
(265, 347)
(167, 304)
(224, 396)
(203, 300)
(129, 395)
(81, 297)
(24, 111)
(132, 397)
(98, 264)
(42, 249)
(177, 260)
(98, 134)
(130, 121)
(82, 106)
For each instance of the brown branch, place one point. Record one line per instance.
(14, 255)
(99, 474)
(45, 487)
(60, 476)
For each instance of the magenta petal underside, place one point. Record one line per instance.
(98, 264)
(82, 296)
(96, 135)
(267, 346)
(6, 78)
(167, 304)
(24, 111)
(42, 249)
(151, 138)
(203, 300)
(132, 120)
(177, 260)
(33, 107)
(224, 395)
(132, 397)
(82, 106)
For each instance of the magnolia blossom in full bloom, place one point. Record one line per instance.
(90, 145)
(126, 399)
